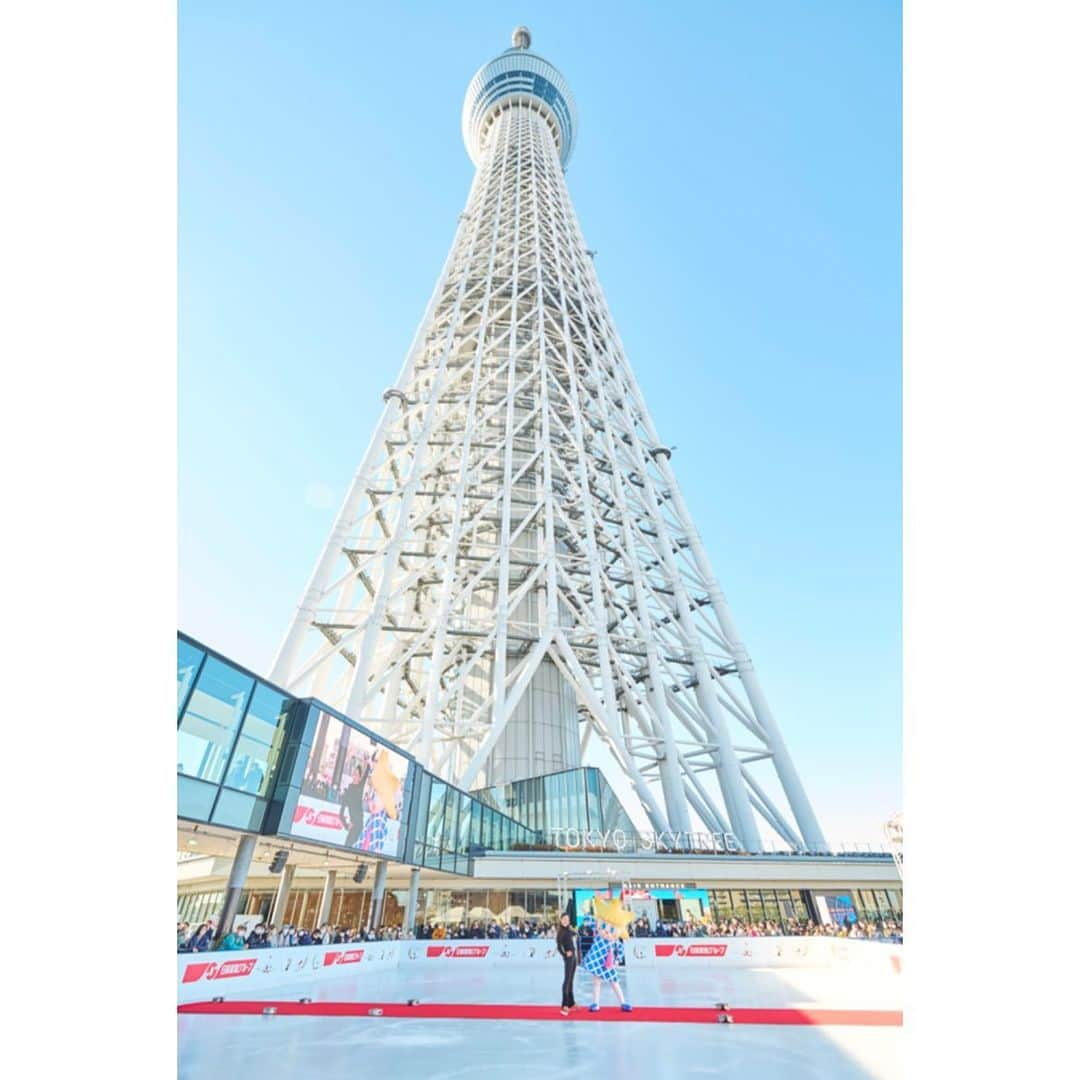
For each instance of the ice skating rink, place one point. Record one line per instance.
(789, 1022)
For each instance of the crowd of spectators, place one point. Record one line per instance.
(872, 930)
(258, 935)
(518, 928)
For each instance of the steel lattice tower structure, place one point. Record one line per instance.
(514, 570)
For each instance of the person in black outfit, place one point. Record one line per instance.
(352, 804)
(565, 942)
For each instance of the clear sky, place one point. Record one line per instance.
(738, 172)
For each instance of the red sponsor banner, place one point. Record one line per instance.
(228, 969)
(692, 950)
(321, 819)
(457, 951)
(350, 956)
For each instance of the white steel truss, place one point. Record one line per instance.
(516, 513)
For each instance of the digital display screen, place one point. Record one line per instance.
(353, 792)
(841, 909)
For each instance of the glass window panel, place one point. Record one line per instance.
(757, 911)
(239, 810)
(209, 724)
(477, 819)
(464, 824)
(882, 902)
(423, 797)
(720, 900)
(448, 861)
(738, 904)
(894, 901)
(435, 814)
(194, 799)
(799, 904)
(259, 745)
(592, 783)
(868, 903)
(497, 902)
(772, 909)
(188, 659)
(450, 820)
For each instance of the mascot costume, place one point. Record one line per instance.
(602, 959)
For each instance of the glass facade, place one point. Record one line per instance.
(877, 904)
(231, 727)
(452, 826)
(252, 757)
(578, 799)
(450, 907)
(757, 905)
(209, 723)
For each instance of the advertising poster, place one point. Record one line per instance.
(353, 791)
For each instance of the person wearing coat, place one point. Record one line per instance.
(232, 940)
(203, 938)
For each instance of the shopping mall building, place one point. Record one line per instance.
(267, 829)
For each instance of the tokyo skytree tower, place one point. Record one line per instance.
(513, 571)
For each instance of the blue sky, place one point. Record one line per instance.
(737, 171)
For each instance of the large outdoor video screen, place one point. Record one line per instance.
(353, 791)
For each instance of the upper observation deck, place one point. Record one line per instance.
(519, 76)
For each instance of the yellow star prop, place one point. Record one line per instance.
(385, 784)
(613, 913)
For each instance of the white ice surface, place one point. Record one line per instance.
(277, 1047)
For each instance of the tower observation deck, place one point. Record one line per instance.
(514, 574)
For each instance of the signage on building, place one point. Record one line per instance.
(571, 839)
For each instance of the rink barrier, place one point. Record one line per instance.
(201, 976)
(759, 952)
(242, 973)
(472, 953)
